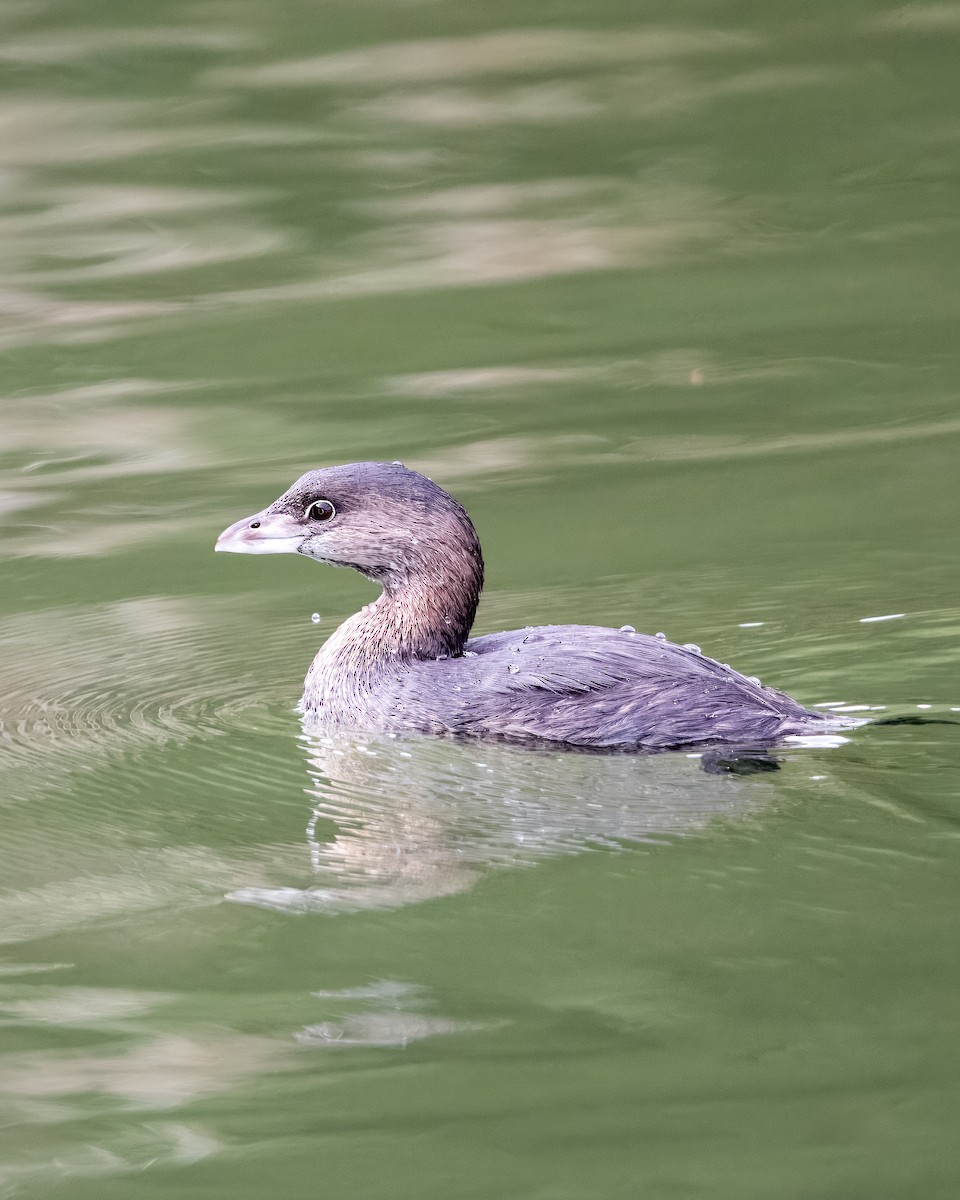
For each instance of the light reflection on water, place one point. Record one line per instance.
(123, 1104)
(402, 821)
(119, 689)
(395, 823)
(115, 693)
(507, 52)
(671, 307)
(78, 233)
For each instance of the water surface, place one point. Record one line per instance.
(668, 297)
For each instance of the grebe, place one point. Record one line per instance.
(406, 662)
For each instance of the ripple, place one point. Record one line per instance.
(167, 1143)
(119, 725)
(392, 1017)
(59, 236)
(82, 683)
(506, 52)
(83, 43)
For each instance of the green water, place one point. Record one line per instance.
(667, 294)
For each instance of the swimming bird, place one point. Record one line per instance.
(406, 662)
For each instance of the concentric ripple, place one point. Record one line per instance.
(81, 683)
(136, 740)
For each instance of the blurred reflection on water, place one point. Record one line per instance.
(669, 298)
(410, 212)
(401, 821)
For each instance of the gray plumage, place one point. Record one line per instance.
(404, 663)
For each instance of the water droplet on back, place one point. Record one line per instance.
(627, 629)
(661, 637)
(692, 647)
(513, 669)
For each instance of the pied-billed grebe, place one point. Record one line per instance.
(404, 662)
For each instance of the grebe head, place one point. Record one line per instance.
(390, 523)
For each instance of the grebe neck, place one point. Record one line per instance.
(424, 612)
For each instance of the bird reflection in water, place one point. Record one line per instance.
(398, 821)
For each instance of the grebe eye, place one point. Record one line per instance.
(321, 510)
